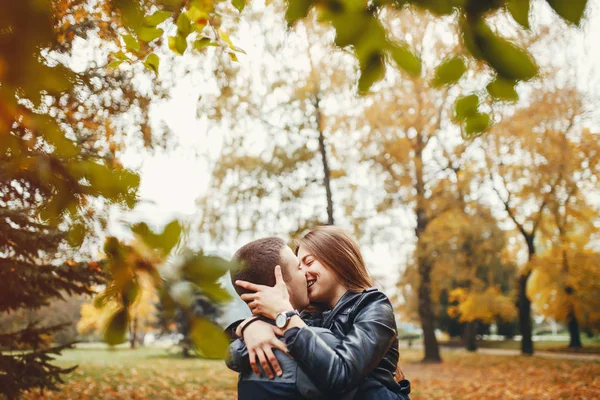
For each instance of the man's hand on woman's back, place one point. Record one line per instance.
(260, 339)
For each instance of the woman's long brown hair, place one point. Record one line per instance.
(338, 251)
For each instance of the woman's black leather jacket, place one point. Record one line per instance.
(366, 325)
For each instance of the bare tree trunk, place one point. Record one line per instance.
(574, 333)
(525, 327)
(133, 333)
(572, 323)
(470, 336)
(326, 171)
(432, 350)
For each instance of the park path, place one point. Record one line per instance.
(516, 352)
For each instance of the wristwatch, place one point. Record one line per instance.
(282, 318)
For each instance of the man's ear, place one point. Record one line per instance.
(279, 276)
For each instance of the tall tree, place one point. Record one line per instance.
(523, 159)
(569, 224)
(404, 124)
(282, 111)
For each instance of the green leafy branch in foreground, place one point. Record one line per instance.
(178, 281)
(358, 27)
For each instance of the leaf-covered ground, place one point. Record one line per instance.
(156, 374)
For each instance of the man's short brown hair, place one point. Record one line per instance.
(256, 262)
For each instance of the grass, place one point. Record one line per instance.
(151, 373)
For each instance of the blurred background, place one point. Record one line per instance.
(143, 142)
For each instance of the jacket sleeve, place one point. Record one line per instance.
(237, 356)
(230, 330)
(340, 369)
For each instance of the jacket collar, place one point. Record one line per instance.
(342, 303)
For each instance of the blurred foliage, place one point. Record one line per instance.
(149, 263)
(50, 174)
(95, 316)
(62, 129)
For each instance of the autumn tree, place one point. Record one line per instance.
(403, 124)
(95, 317)
(564, 274)
(466, 250)
(524, 156)
(282, 107)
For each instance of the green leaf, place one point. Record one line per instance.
(120, 56)
(184, 25)
(149, 34)
(130, 292)
(570, 10)
(449, 72)
(223, 35)
(152, 62)
(237, 49)
(113, 249)
(201, 43)
(296, 10)
(131, 43)
(199, 268)
(350, 27)
(54, 135)
(466, 106)
(502, 89)
(437, 7)
(239, 4)
(101, 299)
(476, 124)
(519, 9)
(116, 329)
(164, 241)
(76, 235)
(114, 64)
(170, 236)
(373, 71)
(215, 292)
(177, 44)
(406, 59)
(233, 57)
(509, 61)
(208, 339)
(157, 18)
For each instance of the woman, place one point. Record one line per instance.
(361, 316)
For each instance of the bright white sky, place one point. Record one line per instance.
(172, 182)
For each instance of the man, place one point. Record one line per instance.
(257, 261)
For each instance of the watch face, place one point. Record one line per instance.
(280, 320)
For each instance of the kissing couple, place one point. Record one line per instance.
(319, 328)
